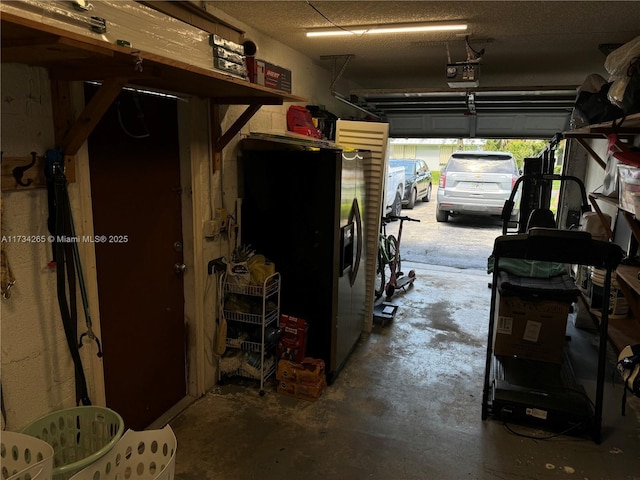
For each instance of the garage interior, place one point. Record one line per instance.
(407, 403)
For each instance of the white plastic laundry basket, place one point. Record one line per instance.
(146, 455)
(78, 435)
(25, 457)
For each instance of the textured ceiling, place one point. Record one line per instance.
(535, 56)
(527, 44)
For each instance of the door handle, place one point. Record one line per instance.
(180, 268)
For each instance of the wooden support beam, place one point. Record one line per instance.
(216, 132)
(240, 122)
(221, 140)
(63, 111)
(591, 152)
(91, 115)
(601, 217)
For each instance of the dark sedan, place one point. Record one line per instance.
(418, 180)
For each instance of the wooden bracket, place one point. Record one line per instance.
(592, 152)
(91, 115)
(601, 217)
(222, 140)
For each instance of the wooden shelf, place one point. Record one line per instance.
(626, 331)
(629, 274)
(630, 126)
(70, 56)
(623, 332)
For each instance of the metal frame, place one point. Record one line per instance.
(564, 246)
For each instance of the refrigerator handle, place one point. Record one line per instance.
(355, 216)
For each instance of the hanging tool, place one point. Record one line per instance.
(67, 258)
(83, 290)
(7, 280)
(219, 266)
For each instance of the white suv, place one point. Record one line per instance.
(476, 183)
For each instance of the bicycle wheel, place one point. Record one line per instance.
(392, 248)
(380, 279)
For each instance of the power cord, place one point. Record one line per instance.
(548, 437)
(331, 21)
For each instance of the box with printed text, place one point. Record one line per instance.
(534, 329)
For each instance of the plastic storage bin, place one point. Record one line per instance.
(79, 436)
(147, 455)
(25, 457)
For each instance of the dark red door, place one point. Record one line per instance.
(135, 187)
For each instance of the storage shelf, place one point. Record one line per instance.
(621, 331)
(629, 274)
(254, 319)
(630, 126)
(626, 331)
(71, 56)
(268, 295)
(255, 375)
(253, 290)
(246, 345)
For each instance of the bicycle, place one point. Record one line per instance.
(389, 258)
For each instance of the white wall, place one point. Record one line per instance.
(36, 369)
(37, 372)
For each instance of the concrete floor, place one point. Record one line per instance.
(406, 406)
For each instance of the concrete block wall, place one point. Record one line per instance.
(37, 371)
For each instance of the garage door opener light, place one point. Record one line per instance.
(389, 28)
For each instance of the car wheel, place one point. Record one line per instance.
(427, 197)
(412, 199)
(396, 209)
(442, 215)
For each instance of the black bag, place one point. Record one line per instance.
(596, 107)
(631, 98)
(629, 367)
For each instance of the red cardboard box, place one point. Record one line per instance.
(293, 341)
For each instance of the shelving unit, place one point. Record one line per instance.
(621, 331)
(252, 313)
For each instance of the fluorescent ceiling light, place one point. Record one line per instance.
(397, 28)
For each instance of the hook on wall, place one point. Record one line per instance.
(18, 172)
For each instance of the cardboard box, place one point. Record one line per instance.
(301, 390)
(531, 328)
(268, 74)
(310, 371)
(293, 341)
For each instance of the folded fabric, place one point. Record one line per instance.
(559, 287)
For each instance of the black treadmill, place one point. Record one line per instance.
(537, 393)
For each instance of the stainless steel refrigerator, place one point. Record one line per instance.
(303, 208)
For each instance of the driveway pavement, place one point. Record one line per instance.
(464, 242)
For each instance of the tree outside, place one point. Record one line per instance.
(520, 149)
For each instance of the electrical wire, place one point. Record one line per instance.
(475, 52)
(332, 22)
(547, 437)
(140, 117)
